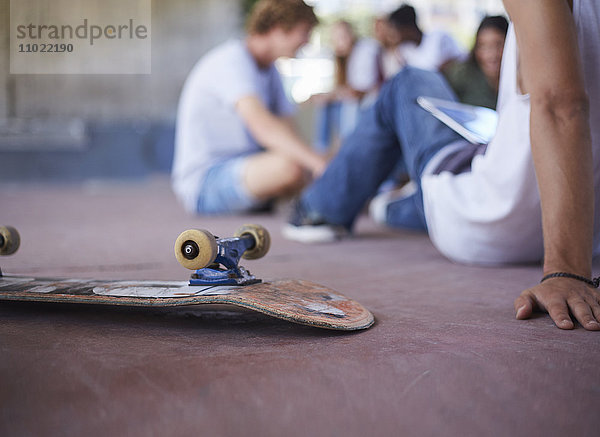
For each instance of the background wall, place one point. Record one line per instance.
(182, 30)
(74, 128)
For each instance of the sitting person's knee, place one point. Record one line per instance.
(289, 174)
(273, 175)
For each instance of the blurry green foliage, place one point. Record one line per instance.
(247, 6)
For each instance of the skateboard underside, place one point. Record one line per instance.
(296, 301)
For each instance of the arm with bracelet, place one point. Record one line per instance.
(551, 73)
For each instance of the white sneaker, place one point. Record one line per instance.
(379, 205)
(313, 234)
(304, 228)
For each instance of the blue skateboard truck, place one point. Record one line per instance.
(216, 260)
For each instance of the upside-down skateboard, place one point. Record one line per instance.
(218, 279)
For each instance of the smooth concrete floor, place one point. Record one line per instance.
(445, 357)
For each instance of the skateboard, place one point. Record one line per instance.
(218, 278)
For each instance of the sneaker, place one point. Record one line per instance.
(378, 208)
(309, 228)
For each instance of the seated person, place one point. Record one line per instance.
(532, 194)
(235, 146)
(356, 75)
(413, 47)
(476, 80)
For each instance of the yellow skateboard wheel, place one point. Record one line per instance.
(195, 249)
(9, 241)
(262, 240)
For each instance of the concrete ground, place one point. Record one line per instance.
(445, 357)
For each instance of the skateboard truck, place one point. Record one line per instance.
(229, 253)
(216, 260)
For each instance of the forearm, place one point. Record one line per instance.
(561, 148)
(551, 72)
(278, 134)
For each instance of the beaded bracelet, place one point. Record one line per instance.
(595, 282)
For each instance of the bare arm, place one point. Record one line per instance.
(278, 135)
(550, 71)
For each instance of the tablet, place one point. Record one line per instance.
(474, 123)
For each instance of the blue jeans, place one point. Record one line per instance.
(393, 129)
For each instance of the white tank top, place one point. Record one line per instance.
(492, 214)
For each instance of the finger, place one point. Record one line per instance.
(559, 312)
(583, 313)
(595, 305)
(524, 305)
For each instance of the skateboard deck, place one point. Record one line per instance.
(296, 301)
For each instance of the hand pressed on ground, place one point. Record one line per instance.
(561, 297)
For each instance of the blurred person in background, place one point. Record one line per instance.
(236, 149)
(476, 80)
(356, 74)
(387, 61)
(413, 47)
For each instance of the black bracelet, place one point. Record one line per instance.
(595, 282)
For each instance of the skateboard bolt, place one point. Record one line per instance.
(190, 250)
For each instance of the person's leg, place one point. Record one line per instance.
(248, 183)
(421, 136)
(268, 175)
(349, 111)
(399, 208)
(394, 128)
(361, 164)
(327, 122)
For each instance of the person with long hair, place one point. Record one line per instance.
(476, 80)
(356, 75)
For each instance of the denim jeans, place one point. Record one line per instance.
(223, 191)
(395, 128)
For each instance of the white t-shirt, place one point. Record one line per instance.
(436, 48)
(492, 214)
(209, 130)
(362, 69)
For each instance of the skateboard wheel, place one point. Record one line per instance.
(9, 240)
(195, 249)
(262, 240)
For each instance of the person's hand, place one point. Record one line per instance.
(558, 296)
(318, 167)
(345, 93)
(320, 99)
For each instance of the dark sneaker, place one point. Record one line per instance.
(309, 228)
